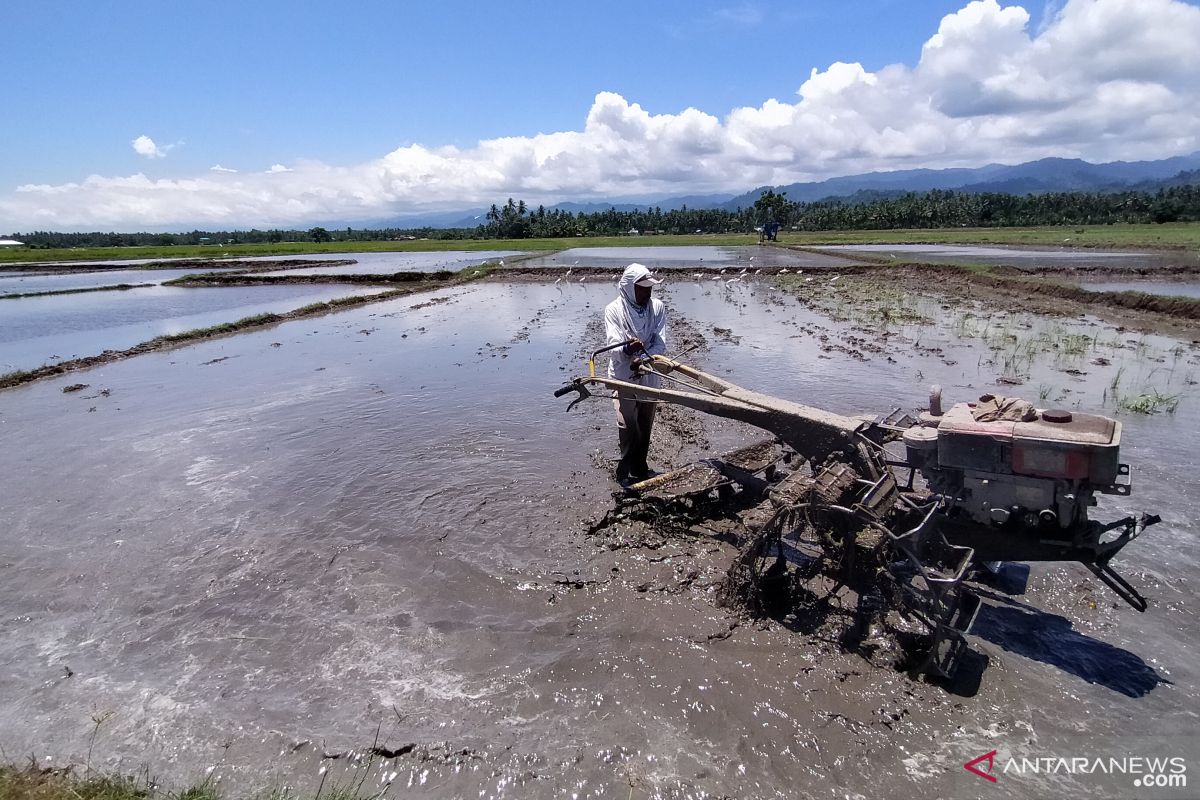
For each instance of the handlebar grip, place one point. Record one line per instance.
(570, 387)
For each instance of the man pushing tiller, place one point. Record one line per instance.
(639, 321)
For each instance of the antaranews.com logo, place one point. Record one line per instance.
(1144, 772)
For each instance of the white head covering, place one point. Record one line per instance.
(638, 319)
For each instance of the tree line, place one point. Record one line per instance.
(913, 210)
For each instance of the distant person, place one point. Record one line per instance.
(640, 320)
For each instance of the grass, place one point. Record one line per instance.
(1181, 235)
(32, 783)
(1149, 401)
(35, 784)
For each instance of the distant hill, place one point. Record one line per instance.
(1031, 177)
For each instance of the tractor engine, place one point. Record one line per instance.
(1040, 470)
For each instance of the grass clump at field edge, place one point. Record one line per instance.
(32, 783)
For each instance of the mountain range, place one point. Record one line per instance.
(1031, 177)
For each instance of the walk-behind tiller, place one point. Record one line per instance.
(895, 512)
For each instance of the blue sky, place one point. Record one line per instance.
(330, 90)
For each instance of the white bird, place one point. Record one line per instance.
(733, 280)
(568, 274)
(584, 278)
(743, 272)
(714, 278)
(722, 272)
(558, 281)
(783, 272)
(502, 262)
(834, 278)
(758, 272)
(751, 258)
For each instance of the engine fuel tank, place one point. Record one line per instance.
(1056, 444)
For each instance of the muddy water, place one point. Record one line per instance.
(33, 282)
(687, 257)
(1168, 288)
(388, 263)
(1016, 256)
(41, 330)
(370, 532)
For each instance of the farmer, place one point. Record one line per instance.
(636, 318)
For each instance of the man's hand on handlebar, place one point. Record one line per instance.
(634, 345)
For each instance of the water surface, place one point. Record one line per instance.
(368, 525)
(41, 330)
(687, 257)
(1021, 257)
(1168, 288)
(388, 263)
(22, 283)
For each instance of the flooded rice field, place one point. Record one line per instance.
(23, 283)
(41, 330)
(356, 548)
(687, 257)
(388, 263)
(1021, 257)
(1168, 288)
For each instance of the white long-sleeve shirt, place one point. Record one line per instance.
(624, 320)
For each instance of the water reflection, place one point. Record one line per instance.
(38, 330)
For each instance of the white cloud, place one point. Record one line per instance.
(1100, 79)
(219, 168)
(145, 146)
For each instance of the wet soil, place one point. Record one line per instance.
(1136, 310)
(365, 547)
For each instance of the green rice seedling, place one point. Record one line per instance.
(1150, 401)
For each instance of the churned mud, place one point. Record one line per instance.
(371, 546)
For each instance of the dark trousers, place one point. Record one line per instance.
(635, 420)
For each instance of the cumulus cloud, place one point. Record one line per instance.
(1098, 79)
(145, 146)
(219, 168)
